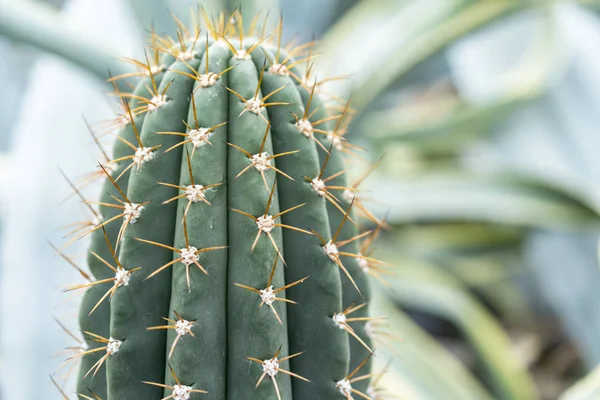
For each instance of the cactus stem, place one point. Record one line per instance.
(182, 326)
(157, 102)
(320, 186)
(193, 192)
(188, 255)
(207, 79)
(141, 153)
(186, 54)
(197, 136)
(271, 367)
(112, 346)
(268, 295)
(118, 123)
(265, 223)
(341, 320)
(261, 161)
(345, 385)
(330, 248)
(185, 98)
(276, 65)
(238, 54)
(180, 392)
(279, 69)
(131, 211)
(121, 278)
(335, 136)
(305, 127)
(183, 54)
(255, 104)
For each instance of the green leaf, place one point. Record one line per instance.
(491, 198)
(427, 27)
(426, 288)
(420, 368)
(457, 237)
(432, 131)
(484, 257)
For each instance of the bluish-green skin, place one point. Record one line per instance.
(145, 301)
(311, 328)
(207, 227)
(252, 268)
(228, 324)
(348, 231)
(98, 322)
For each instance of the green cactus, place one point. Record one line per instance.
(226, 256)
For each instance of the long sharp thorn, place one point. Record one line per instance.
(270, 197)
(346, 215)
(270, 281)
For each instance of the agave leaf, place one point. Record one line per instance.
(457, 238)
(420, 368)
(377, 22)
(558, 126)
(486, 258)
(431, 131)
(478, 198)
(428, 27)
(503, 280)
(427, 288)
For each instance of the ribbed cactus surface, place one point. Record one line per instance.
(225, 257)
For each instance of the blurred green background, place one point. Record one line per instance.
(487, 114)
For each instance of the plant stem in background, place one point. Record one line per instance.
(34, 25)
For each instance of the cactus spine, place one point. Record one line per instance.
(226, 252)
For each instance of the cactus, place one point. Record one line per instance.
(224, 252)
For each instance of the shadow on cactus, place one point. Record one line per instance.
(225, 259)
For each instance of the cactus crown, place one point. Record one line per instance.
(225, 257)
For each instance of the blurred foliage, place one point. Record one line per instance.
(586, 389)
